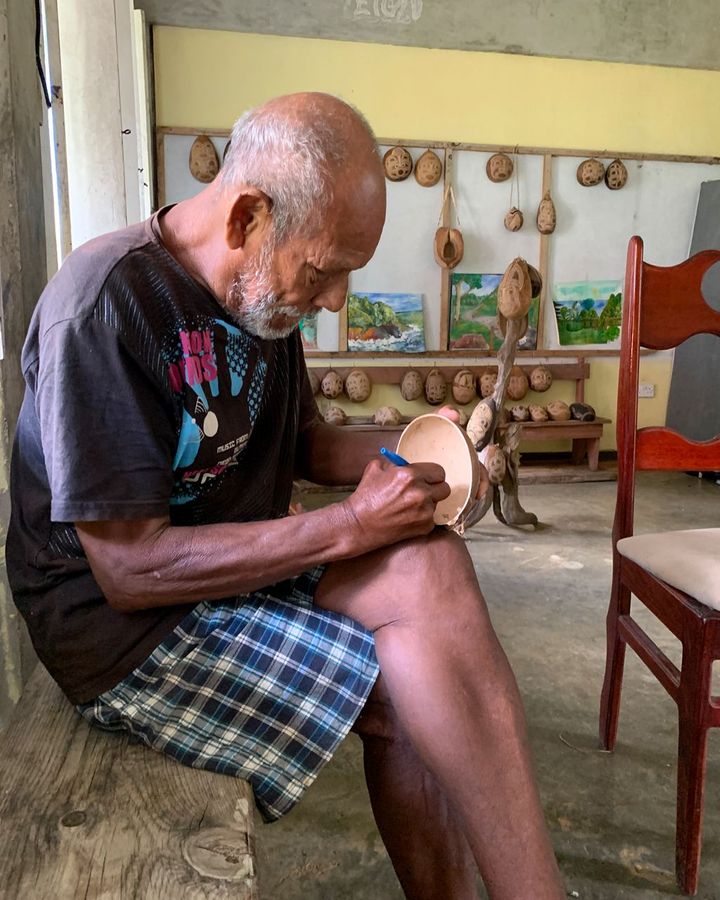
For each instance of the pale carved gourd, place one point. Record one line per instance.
(499, 167)
(540, 379)
(513, 219)
(488, 380)
(387, 415)
(333, 415)
(331, 385)
(397, 163)
(411, 386)
(517, 384)
(558, 410)
(428, 169)
(493, 458)
(358, 386)
(590, 172)
(463, 386)
(515, 290)
(546, 216)
(435, 388)
(204, 162)
(538, 413)
(519, 413)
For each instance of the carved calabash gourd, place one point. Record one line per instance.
(538, 413)
(499, 167)
(449, 247)
(411, 386)
(616, 175)
(493, 458)
(535, 280)
(488, 380)
(358, 386)
(519, 413)
(435, 387)
(463, 386)
(481, 422)
(225, 151)
(590, 172)
(333, 415)
(513, 219)
(387, 415)
(517, 385)
(546, 216)
(540, 378)
(204, 162)
(583, 412)
(428, 169)
(558, 410)
(397, 163)
(331, 385)
(515, 290)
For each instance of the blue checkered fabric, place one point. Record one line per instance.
(263, 687)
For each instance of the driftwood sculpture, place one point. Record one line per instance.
(499, 450)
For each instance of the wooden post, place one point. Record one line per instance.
(445, 274)
(544, 248)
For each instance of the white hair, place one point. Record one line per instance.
(291, 161)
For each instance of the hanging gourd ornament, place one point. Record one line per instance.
(358, 386)
(204, 162)
(513, 219)
(435, 388)
(590, 172)
(499, 167)
(517, 384)
(546, 218)
(515, 290)
(331, 385)
(411, 386)
(428, 169)
(463, 387)
(488, 380)
(540, 378)
(616, 175)
(397, 163)
(449, 247)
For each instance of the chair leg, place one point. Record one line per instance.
(692, 752)
(614, 665)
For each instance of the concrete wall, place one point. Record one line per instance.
(22, 277)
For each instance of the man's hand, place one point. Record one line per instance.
(395, 503)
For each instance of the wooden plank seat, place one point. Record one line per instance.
(92, 814)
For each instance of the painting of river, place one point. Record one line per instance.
(588, 312)
(383, 322)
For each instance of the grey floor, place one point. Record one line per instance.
(611, 815)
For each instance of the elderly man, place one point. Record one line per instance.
(164, 586)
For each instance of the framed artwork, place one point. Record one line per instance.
(308, 333)
(385, 322)
(588, 312)
(473, 314)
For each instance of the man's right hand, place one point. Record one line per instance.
(395, 503)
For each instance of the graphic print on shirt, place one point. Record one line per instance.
(220, 372)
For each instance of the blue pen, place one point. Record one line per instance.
(394, 457)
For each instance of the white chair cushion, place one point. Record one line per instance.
(686, 560)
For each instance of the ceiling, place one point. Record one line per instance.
(663, 32)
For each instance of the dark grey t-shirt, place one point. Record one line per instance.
(143, 399)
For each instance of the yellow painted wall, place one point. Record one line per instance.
(205, 79)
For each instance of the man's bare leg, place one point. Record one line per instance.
(428, 850)
(456, 698)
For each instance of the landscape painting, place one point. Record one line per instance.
(385, 322)
(588, 312)
(473, 314)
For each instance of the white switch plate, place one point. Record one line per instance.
(646, 389)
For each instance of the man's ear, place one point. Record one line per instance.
(250, 211)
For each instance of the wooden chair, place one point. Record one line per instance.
(675, 574)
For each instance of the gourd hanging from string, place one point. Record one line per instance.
(513, 217)
(449, 245)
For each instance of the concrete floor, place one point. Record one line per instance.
(611, 815)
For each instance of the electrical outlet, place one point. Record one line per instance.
(646, 390)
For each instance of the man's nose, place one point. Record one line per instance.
(333, 295)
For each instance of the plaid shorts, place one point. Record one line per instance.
(264, 687)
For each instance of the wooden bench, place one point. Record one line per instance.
(585, 436)
(90, 814)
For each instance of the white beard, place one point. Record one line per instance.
(253, 304)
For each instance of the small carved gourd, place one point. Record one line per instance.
(449, 247)
(463, 386)
(499, 167)
(481, 421)
(428, 169)
(333, 415)
(204, 162)
(493, 458)
(515, 290)
(558, 411)
(513, 219)
(540, 379)
(616, 175)
(435, 388)
(538, 413)
(546, 216)
(488, 380)
(518, 384)
(358, 386)
(519, 413)
(397, 163)
(331, 385)
(387, 415)
(411, 386)
(583, 412)
(590, 172)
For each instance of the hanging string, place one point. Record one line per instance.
(38, 61)
(515, 182)
(449, 196)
